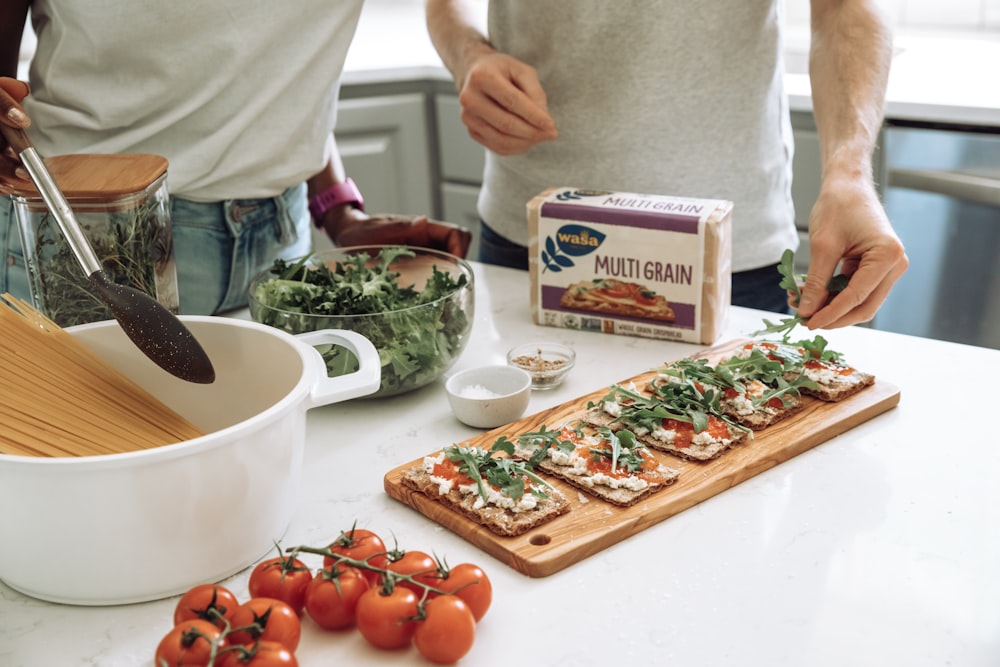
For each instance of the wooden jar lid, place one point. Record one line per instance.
(102, 177)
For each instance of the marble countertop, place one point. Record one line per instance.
(878, 547)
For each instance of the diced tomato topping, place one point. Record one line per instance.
(448, 470)
(684, 431)
(822, 365)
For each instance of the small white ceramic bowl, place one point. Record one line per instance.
(489, 396)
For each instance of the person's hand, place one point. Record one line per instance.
(354, 227)
(12, 92)
(503, 104)
(848, 227)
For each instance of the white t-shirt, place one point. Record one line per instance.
(665, 97)
(239, 95)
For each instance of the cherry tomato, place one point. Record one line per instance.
(189, 643)
(268, 619)
(416, 564)
(448, 630)
(207, 602)
(359, 544)
(332, 597)
(260, 654)
(282, 578)
(468, 582)
(386, 619)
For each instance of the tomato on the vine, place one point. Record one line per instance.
(416, 564)
(189, 643)
(468, 582)
(359, 544)
(447, 631)
(208, 602)
(283, 578)
(262, 653)
(332, 597)
(267, 619)
(386, 619)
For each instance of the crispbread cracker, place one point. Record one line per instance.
(497, 519)
(764, 415)
(693, 452)
(842, 387)
(621, 497)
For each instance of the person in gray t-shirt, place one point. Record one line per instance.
(682, 98)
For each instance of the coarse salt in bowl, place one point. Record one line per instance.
(489, 396)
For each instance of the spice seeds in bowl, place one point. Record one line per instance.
(547, 363)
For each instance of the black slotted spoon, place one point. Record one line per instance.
(155, 330)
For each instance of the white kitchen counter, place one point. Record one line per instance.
(879, 547)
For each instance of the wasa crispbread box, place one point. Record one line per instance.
(655, 266)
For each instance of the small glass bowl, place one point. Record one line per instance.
(548, 363)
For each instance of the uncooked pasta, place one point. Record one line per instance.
(61, 399)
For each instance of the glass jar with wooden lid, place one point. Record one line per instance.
(122, 204)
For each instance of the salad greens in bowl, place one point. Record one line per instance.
(414, 304)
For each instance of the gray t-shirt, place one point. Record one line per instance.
(665, 97)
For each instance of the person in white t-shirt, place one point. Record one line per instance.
(682, 98)
(241, 99)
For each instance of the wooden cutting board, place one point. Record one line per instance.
(592, 525)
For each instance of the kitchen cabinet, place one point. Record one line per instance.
(405, 146)
(461, 160)
(383, 141)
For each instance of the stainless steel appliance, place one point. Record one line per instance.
(943, 198)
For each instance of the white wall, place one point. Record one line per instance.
(923, 14)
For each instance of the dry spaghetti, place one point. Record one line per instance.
(58, 398)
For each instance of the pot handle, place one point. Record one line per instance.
(361, 382)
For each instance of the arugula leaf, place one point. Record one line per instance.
(790, 282)
(624, 449)
(503, 473)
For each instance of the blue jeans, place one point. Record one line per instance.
(218, 247)
(756, 288)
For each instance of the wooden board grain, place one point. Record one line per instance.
(593, 525)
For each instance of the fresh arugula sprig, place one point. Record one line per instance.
(790, 282)
(733, 373)
(641, 411)
(503, 473)
(818, 348)
(624, 449)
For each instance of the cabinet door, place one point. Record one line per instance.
(458, 203)
(462, 159)
(383, 143)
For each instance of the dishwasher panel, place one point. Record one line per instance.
(943, 198)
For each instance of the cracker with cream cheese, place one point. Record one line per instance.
(681, 425)
(614, 467)
(496, 491)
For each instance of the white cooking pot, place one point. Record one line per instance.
(152, 523)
